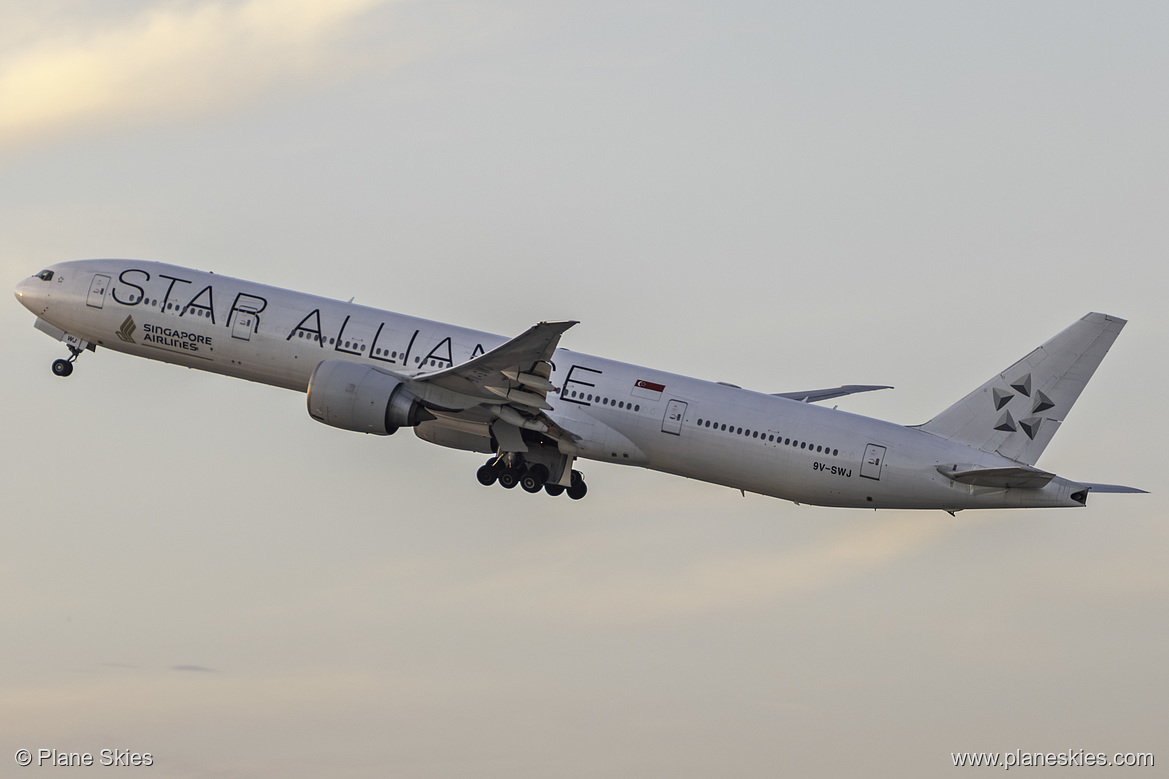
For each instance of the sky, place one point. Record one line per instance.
(780, 195)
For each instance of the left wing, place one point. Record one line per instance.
(509, 383)
(815, 396)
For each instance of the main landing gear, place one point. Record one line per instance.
(530, 478)
(65, 367)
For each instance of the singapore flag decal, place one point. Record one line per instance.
(647, 389)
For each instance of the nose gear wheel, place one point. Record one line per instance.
(63, 368)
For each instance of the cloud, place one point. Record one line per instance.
(177, 60)
(196, 668)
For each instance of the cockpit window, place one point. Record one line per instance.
(45, 275)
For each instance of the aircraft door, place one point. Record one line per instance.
(873, 462)
(97, 290)
(245, 322)
(672, 421)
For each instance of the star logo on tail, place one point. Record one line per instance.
(1040, 403)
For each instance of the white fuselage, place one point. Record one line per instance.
(694, 428)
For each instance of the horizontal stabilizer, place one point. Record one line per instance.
(815, 396)
(1112, 488)
(1021, 477)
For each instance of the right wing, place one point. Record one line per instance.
(815, 396)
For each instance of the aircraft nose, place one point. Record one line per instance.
(24, 293)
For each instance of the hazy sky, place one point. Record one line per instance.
(781, 195)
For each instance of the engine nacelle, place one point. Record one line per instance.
(358, 397)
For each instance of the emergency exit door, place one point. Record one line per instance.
(97, 290)
(873, 463)
(245, 322)
(672, 421)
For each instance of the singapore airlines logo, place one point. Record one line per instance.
(126, 331)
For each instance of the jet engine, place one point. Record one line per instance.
(358, 397)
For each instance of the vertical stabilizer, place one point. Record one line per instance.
(1017, 412)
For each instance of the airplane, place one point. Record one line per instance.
(537, 408)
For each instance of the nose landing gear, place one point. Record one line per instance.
(63, 368)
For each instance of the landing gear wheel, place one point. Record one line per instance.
(487, 475)
(553, 489)
(578, 488)
(62, 367)
(534, 479)
(509, 478)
